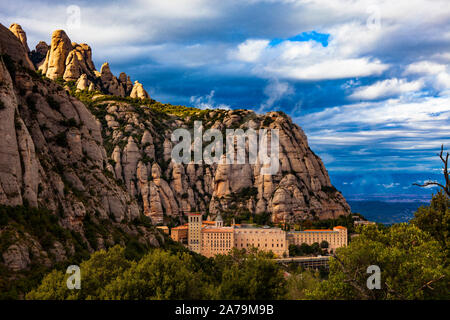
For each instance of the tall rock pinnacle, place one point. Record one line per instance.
(55, 61)
(138, 91)
(20, 34)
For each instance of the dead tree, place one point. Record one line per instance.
(446, 188)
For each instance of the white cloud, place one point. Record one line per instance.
(329, 69)
(417, 113)
(390, 185)
(425, 67)
(386, 88)
(396, 125)
(178, 9)
(207, 102)
(308, 60)
(250, 50)
(274, 91)
(443, 81)
(435, 74)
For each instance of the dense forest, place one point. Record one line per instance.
(413, 259)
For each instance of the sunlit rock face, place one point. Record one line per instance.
(52, 155)
(109, 157)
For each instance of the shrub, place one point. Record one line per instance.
(9, 63)
(329, 189)
(53, 103)
(61, 140)
(31, 103)
(69, 123)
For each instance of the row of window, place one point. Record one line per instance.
(260, 231)
(215, 235)
(195, 219)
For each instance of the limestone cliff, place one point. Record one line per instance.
(88, 146)
(138, 139)
(52, 156)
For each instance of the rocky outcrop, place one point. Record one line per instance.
(79, 62)
(54, 65)
(64, 132)
(83, 83)
(138, 91)
(140, 156)
(73, 62)
(66, 59)
(14, 48)
(126, 83)
(20, 34)
(38, 55)
(52, 157)
(110, 82)
(300, 190)
(24, 250)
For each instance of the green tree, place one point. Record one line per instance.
(411, 263)
(315, 248)
(249, 275)
(102, 267)
(299, 283)
(324, 244)
(304, 249)
(158, 275)
(293, 250)
(53, 287)
(435, 219)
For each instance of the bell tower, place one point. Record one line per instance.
(195, 232)
(219, 221)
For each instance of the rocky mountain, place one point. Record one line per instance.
(136, 133)
(53, 164)
(140, 153)
(89, 146)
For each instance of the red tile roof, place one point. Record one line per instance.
(180, 227)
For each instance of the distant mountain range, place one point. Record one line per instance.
(387, 212)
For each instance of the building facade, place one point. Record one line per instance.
(335, 238)
(180, 233)
(217, 240)
(210, 238)
(265, 239)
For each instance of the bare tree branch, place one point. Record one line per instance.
(446, 188)
(428, 284)
(352, 280)
(395, 293)
(429, 183)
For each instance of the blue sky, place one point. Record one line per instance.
(368, 81)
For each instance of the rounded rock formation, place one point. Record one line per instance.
(138, 91)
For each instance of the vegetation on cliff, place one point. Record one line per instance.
(412, 257)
